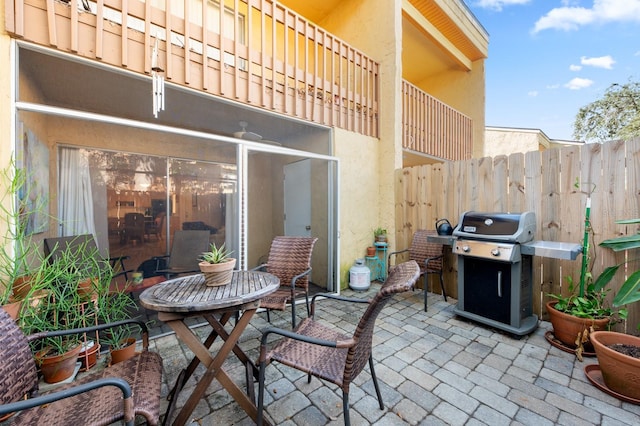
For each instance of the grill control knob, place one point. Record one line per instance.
(466, 249)
(495, 252)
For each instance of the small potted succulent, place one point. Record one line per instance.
(217, 265)
(380, 235)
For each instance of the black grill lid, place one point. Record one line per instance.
(506, 227)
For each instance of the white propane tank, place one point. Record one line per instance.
(359, 276)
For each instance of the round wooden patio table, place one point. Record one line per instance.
(188, 296)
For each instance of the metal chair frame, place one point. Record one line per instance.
(323, 352)
(290, 260)
(116, 393)
(429, 256)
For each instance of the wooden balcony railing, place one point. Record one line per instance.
(256, 52)
(434, 128)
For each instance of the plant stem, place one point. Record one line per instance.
(585, 245)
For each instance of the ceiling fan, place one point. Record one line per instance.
(251, 136)
(243, 134)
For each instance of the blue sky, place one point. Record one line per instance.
(548, 58)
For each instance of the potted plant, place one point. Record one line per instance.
(619, 353)
(217, 265)
(584, 310)
(62, 307)
(17, 247)
(114, 307)
(380, 235)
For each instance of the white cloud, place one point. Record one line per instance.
(574, 67)
(569, 18)
(578, 83)
(533, 93)
(605, 62)
(498, 4)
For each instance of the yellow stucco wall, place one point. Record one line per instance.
(5, 114)
(505, 141)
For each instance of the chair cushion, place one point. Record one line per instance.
(104, 405)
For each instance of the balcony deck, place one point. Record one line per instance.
(278, 62)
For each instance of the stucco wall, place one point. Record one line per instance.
(508, 141)
(359, 198)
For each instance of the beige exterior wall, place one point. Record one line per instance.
(505, 141)
(359, 198)
(6, 144)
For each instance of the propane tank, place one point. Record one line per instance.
(359, 276)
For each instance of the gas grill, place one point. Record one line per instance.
(495, 253)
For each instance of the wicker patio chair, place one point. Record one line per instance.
(328, 354)
(289, 260)
(428, 255)
(113, 394)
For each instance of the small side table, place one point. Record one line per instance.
(378, 264)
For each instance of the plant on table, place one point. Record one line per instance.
(216, 254)
(217, 265)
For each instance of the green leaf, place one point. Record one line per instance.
(628, 221)
(630, 290)
(626, 242)
(605, 277)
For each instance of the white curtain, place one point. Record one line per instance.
(75, 200)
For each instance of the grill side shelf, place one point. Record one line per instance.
(551, 249)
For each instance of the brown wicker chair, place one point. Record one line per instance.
(328, 354)
(290, 261)
(428, 255)
(113, 394)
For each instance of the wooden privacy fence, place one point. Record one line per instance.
(542, 182)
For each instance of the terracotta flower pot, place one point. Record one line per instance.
(217, 274)
(371, 251)
(21, 287)
(86, 287)
(13, 309)
(57, 368)
(567, 327)
(621, 373)
(124, 353)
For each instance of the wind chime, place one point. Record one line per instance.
(157, 79)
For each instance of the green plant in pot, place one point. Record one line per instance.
(584, 309)
(18, 249)
(54, 304)
(619, 353)
(217, 265)
(380, 234)
(114, 307)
